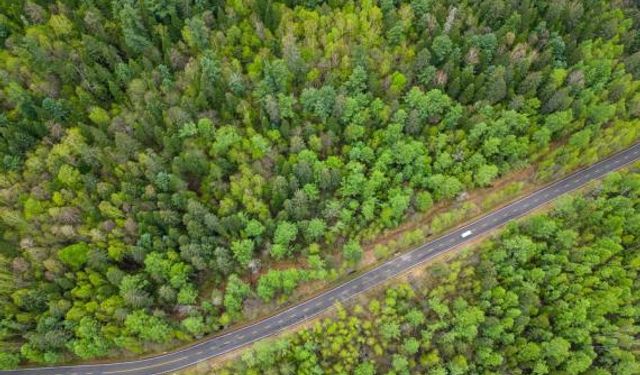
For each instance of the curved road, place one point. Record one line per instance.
(218, 345)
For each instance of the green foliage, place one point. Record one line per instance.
(235, 293)
(441, 47)
(133, 291)
(275, 281)
(187, 295)
(243, 251)
(424, 201)
(352, 251)
(194, 325)
(365, 368)
(9, 361)
(148, 327)
(99, 116)
(254, 228)
(285, 233)
(485, 174)
(75, 256)
(69, 176)
(315, 229)
(90, 343)
(149, 145)
(528, 300)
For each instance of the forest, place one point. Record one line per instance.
(554, 294)
(167, 166)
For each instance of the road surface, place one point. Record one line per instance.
(218, 345)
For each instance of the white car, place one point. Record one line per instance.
(466, 234)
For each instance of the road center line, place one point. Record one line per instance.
(147, 367)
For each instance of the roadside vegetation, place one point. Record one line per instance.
(169, 167)
(553, 294)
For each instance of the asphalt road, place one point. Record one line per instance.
(218, 345)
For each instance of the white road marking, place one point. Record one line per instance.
(147, 367)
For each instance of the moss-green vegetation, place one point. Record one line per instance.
(148, 148)
(554, 294)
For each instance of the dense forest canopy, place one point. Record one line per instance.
(167, 164)
(555, 294)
